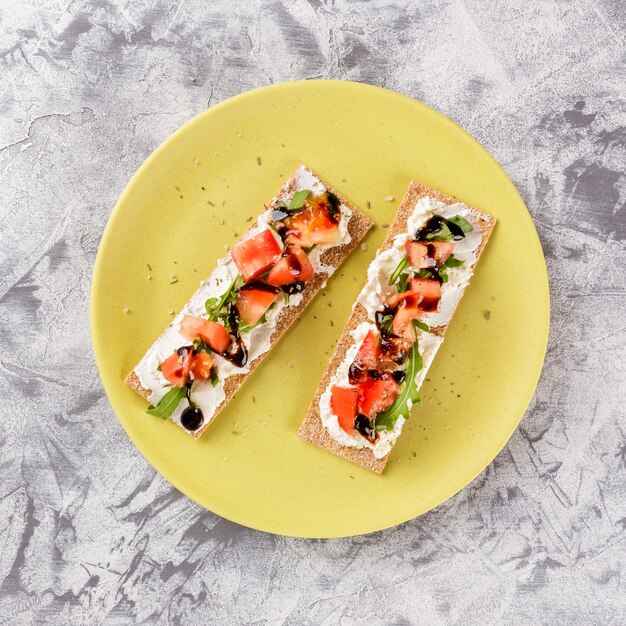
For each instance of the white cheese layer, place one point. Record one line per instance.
(428, 346)
(257, 341)
(373, 297)
(376, 290)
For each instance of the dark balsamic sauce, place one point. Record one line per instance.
(296, 287)
(433, 274)
(237, 352)
(358, 373)
(399, 376)
(379, 317)
(392, 347)
(429, 305)
(192, 418)
(434, 225)
(184, 351)
(363, 426)
(257, 285)
(456, 230)
(333, 206)
(280, 227)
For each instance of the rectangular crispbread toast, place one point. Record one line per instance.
(331, 258)
(312, 429)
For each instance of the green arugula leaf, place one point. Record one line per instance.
(247, 329)
(401, 407)
(386, 322)
(403, 282)
(422, 326)
(297, 201)
(452, 261)
(215, 379)
(427, 272)
(214, 306)
(443, 234)
(200, 346)
(462, 223)
(399, 269)
(230, 293)
(168, 403)
(286, 297)
(210, 305)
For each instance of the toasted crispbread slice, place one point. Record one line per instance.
(331, 258)
(312, 429)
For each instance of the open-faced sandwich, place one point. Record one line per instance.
(254, 294)
(397, 325)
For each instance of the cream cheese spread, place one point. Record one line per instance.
(373, 297)
(428, 346)
(377, 288)
(257, 341)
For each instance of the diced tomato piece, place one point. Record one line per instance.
(368, 352)
(393, 300)
(428, 292)
(402, 324)
(201, 364)
(252, 302)
(396, 298)
(175, 368)
(423, 294)
(212, 333)
(306, 267)
(253, 256)
(292, 267)
(417, 255)
(441, 250)
(314, 224)
(396, 349)
(377, 395)
(343, 402)
(366, 359)
(327, 202)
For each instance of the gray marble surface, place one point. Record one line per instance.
(89, 533)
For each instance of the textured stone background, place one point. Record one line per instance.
(89, 533)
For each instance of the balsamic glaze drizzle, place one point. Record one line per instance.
(363, 425)
(434, 225)
(237, 352)
(296, 287)
(192, 418)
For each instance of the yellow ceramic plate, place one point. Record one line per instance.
(194, 195)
